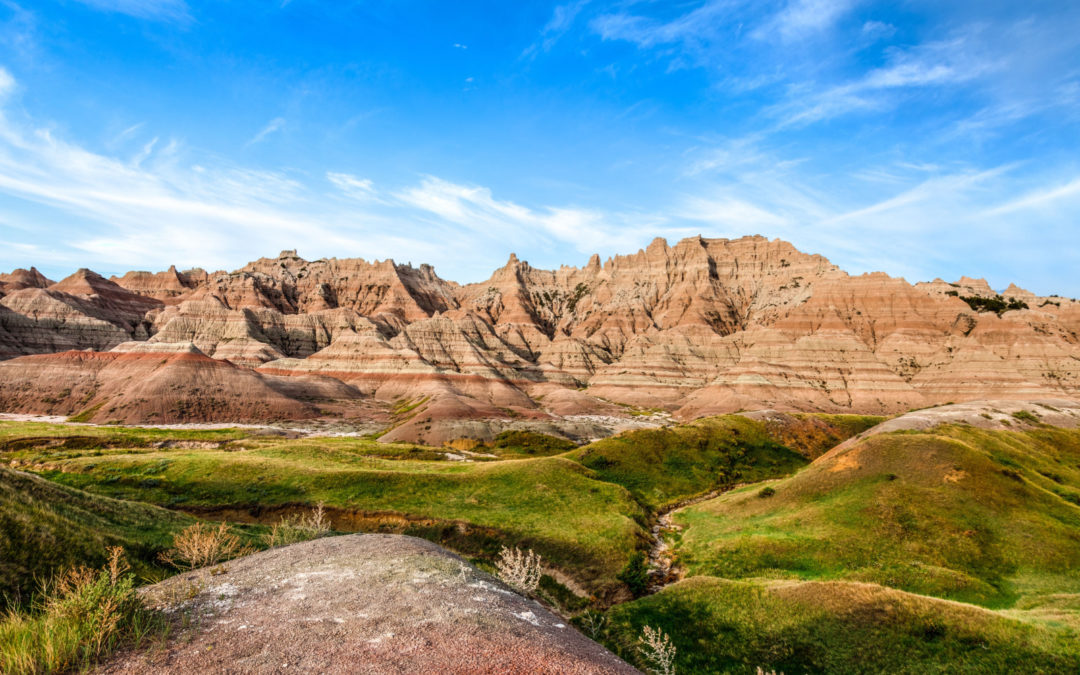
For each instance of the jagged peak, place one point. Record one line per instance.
(658, 245)
(83, 281)
(24, 278)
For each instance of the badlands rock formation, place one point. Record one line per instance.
(705, 326)
(364, 603)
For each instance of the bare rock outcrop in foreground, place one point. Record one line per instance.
(703, 327)
(364, 603)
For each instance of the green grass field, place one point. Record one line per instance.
(553, 504)
(664, 466)
(45, 527)
(585, 510)
(723, 626)
(960, 513)
(947, 550)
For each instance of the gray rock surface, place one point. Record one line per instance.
(365, 603)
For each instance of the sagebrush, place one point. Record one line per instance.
(297, 527)
(657, 651)
(202, 545)
(519, 569)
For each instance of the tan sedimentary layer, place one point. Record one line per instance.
(704, 326)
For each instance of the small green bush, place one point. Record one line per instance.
(635, 575)
(996, 304)
(1025, 416)
(531, 443)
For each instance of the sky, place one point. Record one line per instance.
(921, 138)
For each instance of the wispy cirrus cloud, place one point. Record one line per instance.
(7, 83)
(691, 29)
(936, 64)
(800, 19)
(157, 10)
(360, 189)
(273, 126)
(211, 213)
(1067, 194)
(562, 19)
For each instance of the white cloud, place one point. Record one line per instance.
(804, 18)
(562, 19)
(144, 9)
(934, 64)
(1038, 199)
(476, 209)
(169, 205)
(361, 189)
(878, 29)
(7, 83)
(274, 125)
(732, 214)
(700, 23)
(144, 153)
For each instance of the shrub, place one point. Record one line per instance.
(81, 616)
(657, 651)
(520, 570)
(296, 528)
(1025, 416)
(201, 545)
(996, 304)
(593, 623)
(531, 442)
(635, 575)
(766, 492)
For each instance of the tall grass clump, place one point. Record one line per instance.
(202, 545)
(519, 569)
(80, 616)
(657, 650)
(296, 528)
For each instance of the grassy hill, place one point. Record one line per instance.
(661, 467)
(949, 549)
(45, 527)
(840, 628)
(982, 516)
(585, 510)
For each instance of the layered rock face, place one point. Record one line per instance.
(83, 311)
(139, 382)
(704, 326)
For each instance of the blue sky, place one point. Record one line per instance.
(925, 139)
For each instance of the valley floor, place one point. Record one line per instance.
(937, 542)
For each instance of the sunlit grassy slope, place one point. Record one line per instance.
(836, 627)
(45, 527)
(585, 510)
(663, 466)
(956, 512)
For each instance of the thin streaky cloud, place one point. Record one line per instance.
(646, 32)
(7, 83)
(144, 153)
(801, 19)
(157, 10)
(274, 125)
(561, 21)
(1038, 199)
